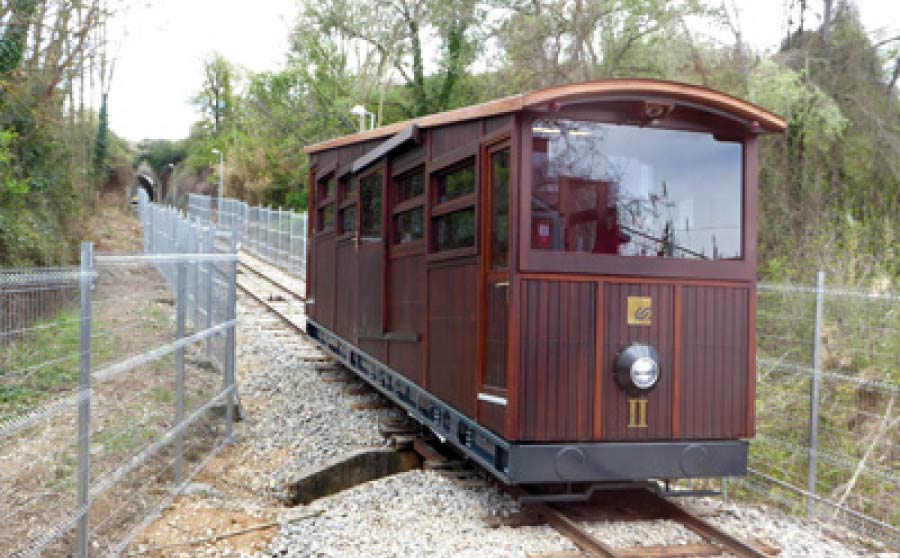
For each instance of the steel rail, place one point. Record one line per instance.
(706, 529)
(570, 529)
(565, 525)
(279, 284)
(274, 309)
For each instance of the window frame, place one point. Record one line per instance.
(347, 199)
(504, 144)
(550, 262)
(468, 155)
(398, 207)
(360, 239)
(323, 202)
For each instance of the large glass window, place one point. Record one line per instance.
(370, 206)
(631, 191)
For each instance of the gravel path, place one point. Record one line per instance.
(294, 421)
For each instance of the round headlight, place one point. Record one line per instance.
(644, 372)
(637, 368)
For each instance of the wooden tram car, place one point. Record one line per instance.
(560, 283)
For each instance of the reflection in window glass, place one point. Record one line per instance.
(328, 216)
(327, 188)
(455, 230)
(408, 226)
(500, 209)
(634, 191)
(456, 184)
(410, 186)
(348, 219)
(349, 187)
(370, 206)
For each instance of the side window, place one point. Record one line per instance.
(453, 213)
(409, 207)
(500, 208)
(347, 215)
(370, 187)
(326, 191)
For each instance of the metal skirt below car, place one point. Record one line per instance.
(522, 463)
(612, 461)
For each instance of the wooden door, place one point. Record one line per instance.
(494, 315)
(370, 265)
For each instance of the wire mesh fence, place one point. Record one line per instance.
(828, 391)
(116, 387)
(274, 235)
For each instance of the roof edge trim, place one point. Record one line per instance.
(768, 122)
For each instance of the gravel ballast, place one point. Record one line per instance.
(291, 412)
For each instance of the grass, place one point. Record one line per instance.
(40, 365)
(45, 362)
(124, 438)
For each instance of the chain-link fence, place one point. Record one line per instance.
(116, 387)
(828, 391)
(276, 236)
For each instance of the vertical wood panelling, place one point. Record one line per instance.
(324, 281)
(497, 317)
(715, 362)
(406, 300)
(452, 321)
(369, 301)
(447, 138)
(557, 363)
(491, 416)
(618, 335)
(345, 284)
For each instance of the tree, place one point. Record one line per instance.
(216, 98)
(14, 39)
(389, 38)
(100, 147)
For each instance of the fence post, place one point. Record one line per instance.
(304, 232)
(280, 252)
(180, 315)
(290, 252)
(814, 396)
(231, 314)
(269, 234)
(84, 401)
(150, 213)
(209, 240)
(196, 248)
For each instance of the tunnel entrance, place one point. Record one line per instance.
(148, 185)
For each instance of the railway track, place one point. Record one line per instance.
(280, 295)
(639, 505)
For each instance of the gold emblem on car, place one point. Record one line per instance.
(640, 311)
(637, 413)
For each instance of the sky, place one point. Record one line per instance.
(161, 44)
